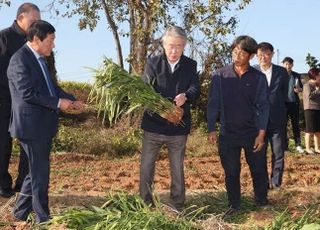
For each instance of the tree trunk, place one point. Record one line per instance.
(114, 32)
(140, 27)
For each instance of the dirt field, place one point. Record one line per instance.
(83, 180)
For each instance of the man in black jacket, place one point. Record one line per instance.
(238, 97)
(12, 39)
(174, 76)
(294, 88)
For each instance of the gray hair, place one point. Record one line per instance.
(174, 31)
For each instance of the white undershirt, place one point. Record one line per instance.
(268, 73)
(173, 65)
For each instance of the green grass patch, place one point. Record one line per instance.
(121, 211)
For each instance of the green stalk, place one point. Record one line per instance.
(116, 92)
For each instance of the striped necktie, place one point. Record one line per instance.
(47, 77)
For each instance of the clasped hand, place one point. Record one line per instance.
(69, 105)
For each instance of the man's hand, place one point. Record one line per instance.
(212, 137)
(297, 89)
(259, 141)
(78, 105)
(65, 104)
(180, 99)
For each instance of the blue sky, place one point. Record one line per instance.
(292, 26)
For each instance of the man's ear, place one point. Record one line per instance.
(20, 17)
(36, 38)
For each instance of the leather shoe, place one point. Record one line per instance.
(262, 202)
(17, 188)
(6, 192)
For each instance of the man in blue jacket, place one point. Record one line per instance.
(36, 102)
(277, 78)
(239, 97)
(174, 76)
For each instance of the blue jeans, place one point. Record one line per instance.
(151, 145)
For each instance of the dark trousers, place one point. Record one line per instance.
(230, 152)
(293, 115)
(151, 145)
(34, 191)
(276, 138)
(5, 152)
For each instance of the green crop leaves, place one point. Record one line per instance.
(121, 211)
(116, 92)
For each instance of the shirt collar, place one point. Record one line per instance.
(36, 54)
(269, 70)
(18, 29)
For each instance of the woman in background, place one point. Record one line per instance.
(311, 106)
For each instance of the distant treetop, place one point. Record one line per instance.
(312, 61)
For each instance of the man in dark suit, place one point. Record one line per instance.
(36, 102)
(294, 88)
(277, 78)
(12, 39)
(174, 76)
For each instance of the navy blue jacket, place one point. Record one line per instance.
(241, 103)
(278, 94)
(34, 112)
(183, 80)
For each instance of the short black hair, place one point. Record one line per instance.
(26, 8)
(246, 43)
(265, 46)
(40, 29)
(287, 59)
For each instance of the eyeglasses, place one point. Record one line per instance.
(268, 54)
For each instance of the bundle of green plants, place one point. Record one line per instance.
(121, 211)
(116, 92)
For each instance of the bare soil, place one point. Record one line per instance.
(78, 180)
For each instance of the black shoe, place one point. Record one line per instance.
(275, 187)
(262, 202)
(17, 188)
(230, 213)
(6, 192)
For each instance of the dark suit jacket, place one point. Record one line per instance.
(34, 112)
(278, 94)
(297, 76)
